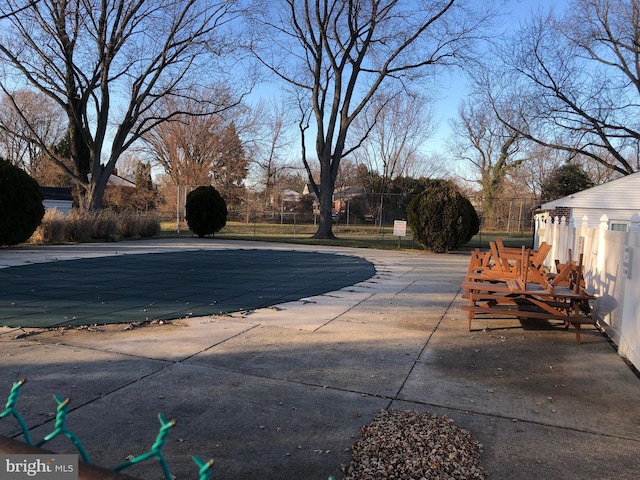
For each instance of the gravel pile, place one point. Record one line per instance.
(406, 445)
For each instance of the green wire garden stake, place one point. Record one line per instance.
(11, 410)
(204, 472)
(60, 427)
(156, 449)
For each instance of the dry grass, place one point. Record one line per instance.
(149, 226)
(79, 227)
(104, 225)
(51, 229)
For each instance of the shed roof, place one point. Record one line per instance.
(623, 192)
(56, 193)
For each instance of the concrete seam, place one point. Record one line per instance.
(424, 347)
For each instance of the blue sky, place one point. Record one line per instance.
(454, 90)
(453, 87)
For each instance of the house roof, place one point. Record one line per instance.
(623, 193)
(290, 195)
(116, 180)
(308, 189)
(347, 192)
(338, 194)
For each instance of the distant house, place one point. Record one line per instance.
(341, 196)
(308, 190)
(289, 199)
(347, 193)
(58, 198)
(290, 196)
(618, 199)
(285, 200)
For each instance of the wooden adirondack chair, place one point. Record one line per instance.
(513, 282)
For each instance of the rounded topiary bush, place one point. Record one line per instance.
(21, 208)
(206, 211)
(441, 218)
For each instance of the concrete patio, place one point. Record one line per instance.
(281, 392)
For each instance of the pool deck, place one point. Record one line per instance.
(281, 392)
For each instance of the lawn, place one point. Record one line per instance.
(358, 236)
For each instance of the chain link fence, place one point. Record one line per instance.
(371, 214)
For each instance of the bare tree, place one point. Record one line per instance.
(187, 146)
(106, 64)
(540, 162)
(393, 128)
(428, 165)
(491, 148)
(270, 141)
(338, 53)
(200, 148)
(10, 12)
(29, 111)
(574, 82)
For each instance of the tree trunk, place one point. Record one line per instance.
(327, 185)
(489, 213)
(91, 194)
(325, 223)
(97, 195)
(84, 193)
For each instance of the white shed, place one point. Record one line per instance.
(618, 199)
(58, 198)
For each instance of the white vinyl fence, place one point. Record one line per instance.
(611, 262)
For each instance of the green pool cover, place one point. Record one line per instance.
(164, 286)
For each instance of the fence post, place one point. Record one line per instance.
(553, 239)
(562, 239)
(571, 237)
(539, 231)
(604, 226)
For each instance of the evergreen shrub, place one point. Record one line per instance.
(206, 211)
(441, 218)
(21, 208)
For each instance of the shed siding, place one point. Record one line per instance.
(62, 206)
(623, 192)
(594, 214)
